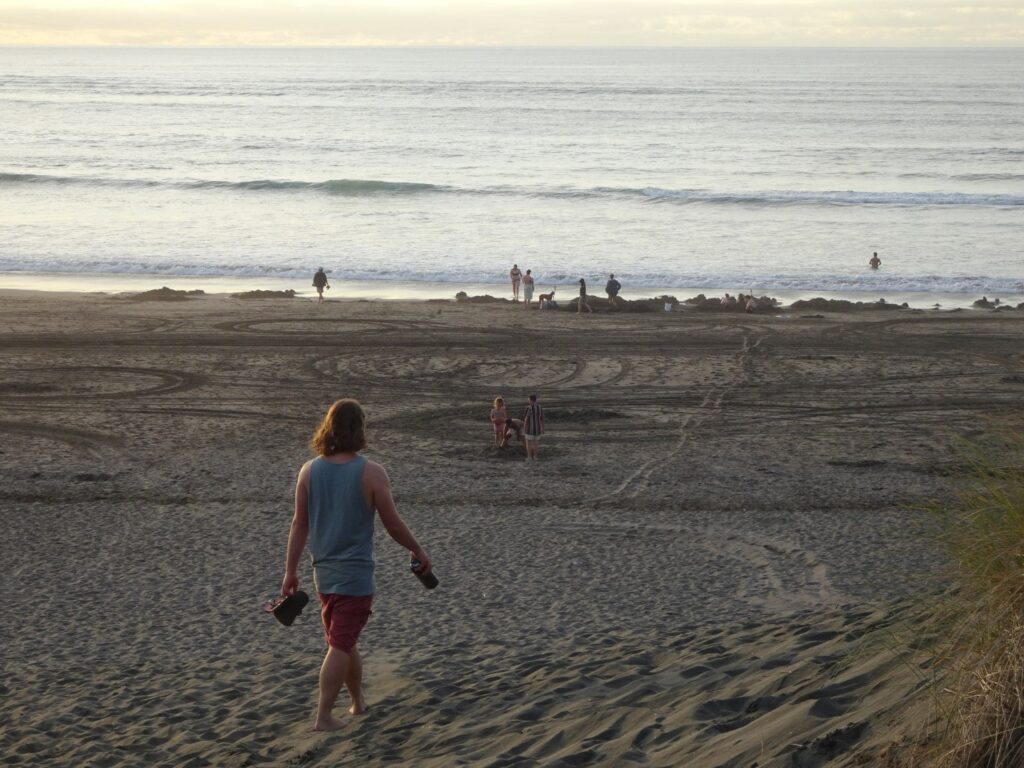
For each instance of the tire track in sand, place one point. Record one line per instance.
(769, 557)
(636, 482)
(93, 442)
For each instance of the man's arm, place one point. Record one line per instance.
(298, 533)
(379, 485)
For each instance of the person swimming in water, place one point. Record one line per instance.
(875, 262)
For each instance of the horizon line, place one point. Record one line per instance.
(607, 46)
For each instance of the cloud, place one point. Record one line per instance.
(512, 22)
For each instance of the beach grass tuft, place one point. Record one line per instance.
(982, 526)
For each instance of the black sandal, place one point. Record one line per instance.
(287, 608)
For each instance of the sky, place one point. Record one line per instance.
(514, 22)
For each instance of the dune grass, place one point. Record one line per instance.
(982, 692)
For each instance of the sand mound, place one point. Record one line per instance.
(702, 303)
(463, 298)
(164, 294)
(841, 305)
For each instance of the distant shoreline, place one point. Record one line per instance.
(381, 290)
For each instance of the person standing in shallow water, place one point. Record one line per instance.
(516, 276)
(336, 496)
(320, 282)
(875, 262)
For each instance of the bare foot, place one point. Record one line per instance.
(328, 723)
(357, 708)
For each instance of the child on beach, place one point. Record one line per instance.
(512, 427)
(498, 418)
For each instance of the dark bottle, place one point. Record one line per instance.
(429, 580)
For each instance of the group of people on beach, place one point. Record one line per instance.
(547, 300)
(526, 282)
(526, 430)
(747, 303)
(339, 493)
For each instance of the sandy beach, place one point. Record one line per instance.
(707, 567)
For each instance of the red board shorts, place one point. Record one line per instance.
(344, 617)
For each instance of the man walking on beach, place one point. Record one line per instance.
(533, 428)
(336, 496)
(612, 288)
(516, 275)
(320, 282)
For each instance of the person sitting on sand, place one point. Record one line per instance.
(527, 289)
(728, 301)
(875, 262)
(320, 282)
(335, 498)
(516, 276)
(612, 288)
(583, 298)
(513, 427)
(498, 418)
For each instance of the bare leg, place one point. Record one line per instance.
(333, 673)
(354, 683)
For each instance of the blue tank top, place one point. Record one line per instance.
(340, 528)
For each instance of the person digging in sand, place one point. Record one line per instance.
(513, 428)
(336, 496)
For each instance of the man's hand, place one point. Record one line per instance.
(421, 555)
(289, 584)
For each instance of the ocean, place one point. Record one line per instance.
(680, 170)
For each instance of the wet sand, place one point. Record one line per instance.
(705, 568)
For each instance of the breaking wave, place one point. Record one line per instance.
(654, 195)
